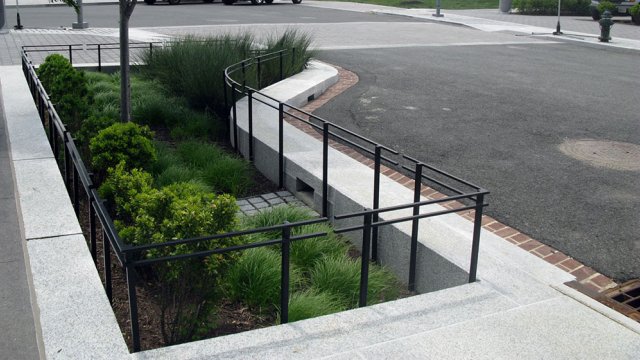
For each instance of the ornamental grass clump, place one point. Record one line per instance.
(311, 303)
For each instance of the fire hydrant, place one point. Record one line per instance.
(605, 26)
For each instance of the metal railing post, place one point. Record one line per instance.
(133, 306)
(475, 247)
(281, 67)
(250, 105)
(76, 190)
(224, 90)
(364, 269)
(244, 77)
(235, 117)
(99, 58)
(325, 168)
(259, 74)
(376, 201)
(71, 54)
(281, 145)
(414, 228)
(92, 229)
(284, 279)
(67, 158)
(106, 255)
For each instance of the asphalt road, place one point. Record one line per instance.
(496, 115)
(189, 14)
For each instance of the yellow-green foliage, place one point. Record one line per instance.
(122, 142)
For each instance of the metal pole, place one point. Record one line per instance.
(106, 255)
(281, 146)
(80, 24)
(558, 32)
(284, 279)
(133, 306)
(414, 228)
(438, 14)
(250, 95)
(235, 117)
(376, 201)
(475, 247)
(19, 25)
(364, 270)
(325, 168)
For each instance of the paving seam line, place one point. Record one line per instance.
(585, 276)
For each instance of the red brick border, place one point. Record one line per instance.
(585, 276)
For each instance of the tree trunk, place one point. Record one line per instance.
(126, 9)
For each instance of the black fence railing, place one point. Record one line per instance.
(80, 186)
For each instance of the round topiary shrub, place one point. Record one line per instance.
(119, 142)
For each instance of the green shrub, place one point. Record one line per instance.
(91, 127)
(53, 65)
(305, 253)
(309, 304)
(607, 5)
(635, 10)
(340, 276)
(550, 7)
(275, 216)
(67, 88)
(121, 189)
(119, 142)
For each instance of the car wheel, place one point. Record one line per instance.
(174, 2)
(207, 1)
(296, 1)
(268, 2)
(149, 2)
(257, 2)
(228, 2)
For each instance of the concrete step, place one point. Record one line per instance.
(350, 330)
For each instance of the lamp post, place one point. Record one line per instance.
(437, 14)
(558, 32)
(18, 26)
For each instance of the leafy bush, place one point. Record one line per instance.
(67, 89)
(607, 5)
(119, 142)
(340, 276)
(550, 7)
(310, 303)
(92, 126)
(53, 65)
(635, 10)
(121, 189)
(181, 211)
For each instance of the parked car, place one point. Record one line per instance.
(257, 2)
(173, 2)
(622, 7)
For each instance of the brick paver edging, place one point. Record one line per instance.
(587, 277)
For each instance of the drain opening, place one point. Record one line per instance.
(627, 298)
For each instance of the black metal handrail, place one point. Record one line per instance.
(77, 176)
